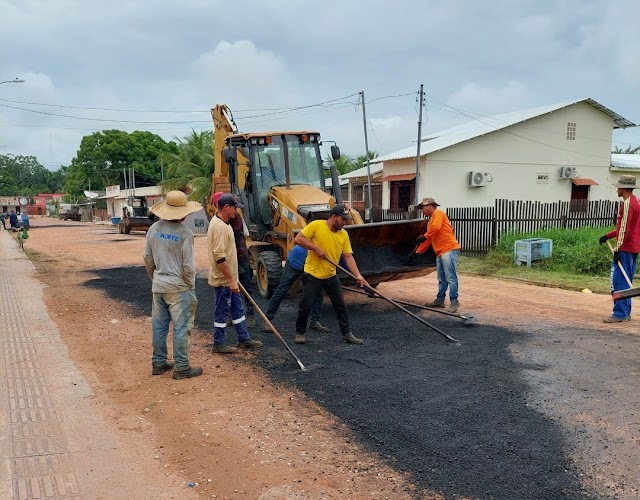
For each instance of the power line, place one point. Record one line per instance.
(504, 129)
(477, 116)
(120, 110)
(125, 110)
(145, 122)
(100, 119)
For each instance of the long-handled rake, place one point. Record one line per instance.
(628, 292)
(467, 320)
(391, 301)
(273, 329)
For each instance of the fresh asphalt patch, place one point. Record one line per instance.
(455, 417)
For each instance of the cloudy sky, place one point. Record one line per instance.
(161, 65)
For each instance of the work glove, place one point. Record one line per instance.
(421, 239)
(603, 239)
(616, 258)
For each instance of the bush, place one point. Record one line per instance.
(575, 251)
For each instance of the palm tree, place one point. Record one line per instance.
(343, 164)
(191, 168)
(361, 160)
(629, 150)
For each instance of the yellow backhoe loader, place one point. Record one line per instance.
(279, 178)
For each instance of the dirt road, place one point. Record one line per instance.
(539, 400)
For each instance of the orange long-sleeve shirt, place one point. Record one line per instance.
(439, 234)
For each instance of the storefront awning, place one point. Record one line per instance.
(581, 181)
(398, 177)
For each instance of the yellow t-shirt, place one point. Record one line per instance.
(334, 245)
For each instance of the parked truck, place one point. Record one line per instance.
(279, 178)
(70, 212)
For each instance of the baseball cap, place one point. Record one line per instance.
(427, 201)
(341, 211)
(215, 197)
(229, 199)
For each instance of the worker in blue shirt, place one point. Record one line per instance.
(13, 219)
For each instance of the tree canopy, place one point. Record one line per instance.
(24, 176)
(103, 157)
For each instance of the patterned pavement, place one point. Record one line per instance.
(35, 460)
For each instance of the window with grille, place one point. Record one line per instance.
(571, 131)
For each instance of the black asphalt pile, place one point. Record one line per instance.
(373, 260)
(455, 417)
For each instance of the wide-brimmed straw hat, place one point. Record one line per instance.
(175, 207)
(626, 182)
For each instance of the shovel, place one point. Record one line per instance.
(628, 292)
(412, 254)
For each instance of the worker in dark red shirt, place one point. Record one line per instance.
(625, 251)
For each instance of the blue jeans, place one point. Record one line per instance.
(622, 308)
(246, 280)
(178, 307)
(289, 276)
(447, 268)
(228, 303)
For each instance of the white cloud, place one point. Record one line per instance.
(483, 58)
(486, 100)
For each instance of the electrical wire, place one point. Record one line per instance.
(477, 117)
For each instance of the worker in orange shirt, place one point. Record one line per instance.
(446, 247)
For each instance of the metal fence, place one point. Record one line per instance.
(479, 228)
(390, 214)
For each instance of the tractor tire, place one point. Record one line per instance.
(268, 272)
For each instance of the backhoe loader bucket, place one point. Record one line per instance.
(385, 251)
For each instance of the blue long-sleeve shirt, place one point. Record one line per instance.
(297, 256)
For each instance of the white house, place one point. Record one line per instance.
(557, 152)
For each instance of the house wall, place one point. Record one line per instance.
(515, 156)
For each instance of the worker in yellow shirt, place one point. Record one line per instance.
(446, 247)
(326, 238)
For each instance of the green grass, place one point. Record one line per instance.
(578, 261)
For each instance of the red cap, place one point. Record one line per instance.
(215, 197)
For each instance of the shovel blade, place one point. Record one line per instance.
(625, 294)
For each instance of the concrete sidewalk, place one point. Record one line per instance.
(54, 443)
(35, 457)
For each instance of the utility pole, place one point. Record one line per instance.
(421, 104)
(90, 202)
(132, 187)
(367, 213)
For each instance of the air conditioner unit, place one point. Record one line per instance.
(478, 179)
(567, 172)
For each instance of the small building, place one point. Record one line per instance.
(557, 152)
(358, 186)
(17, 204)
(119, 199)
(44, 203)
